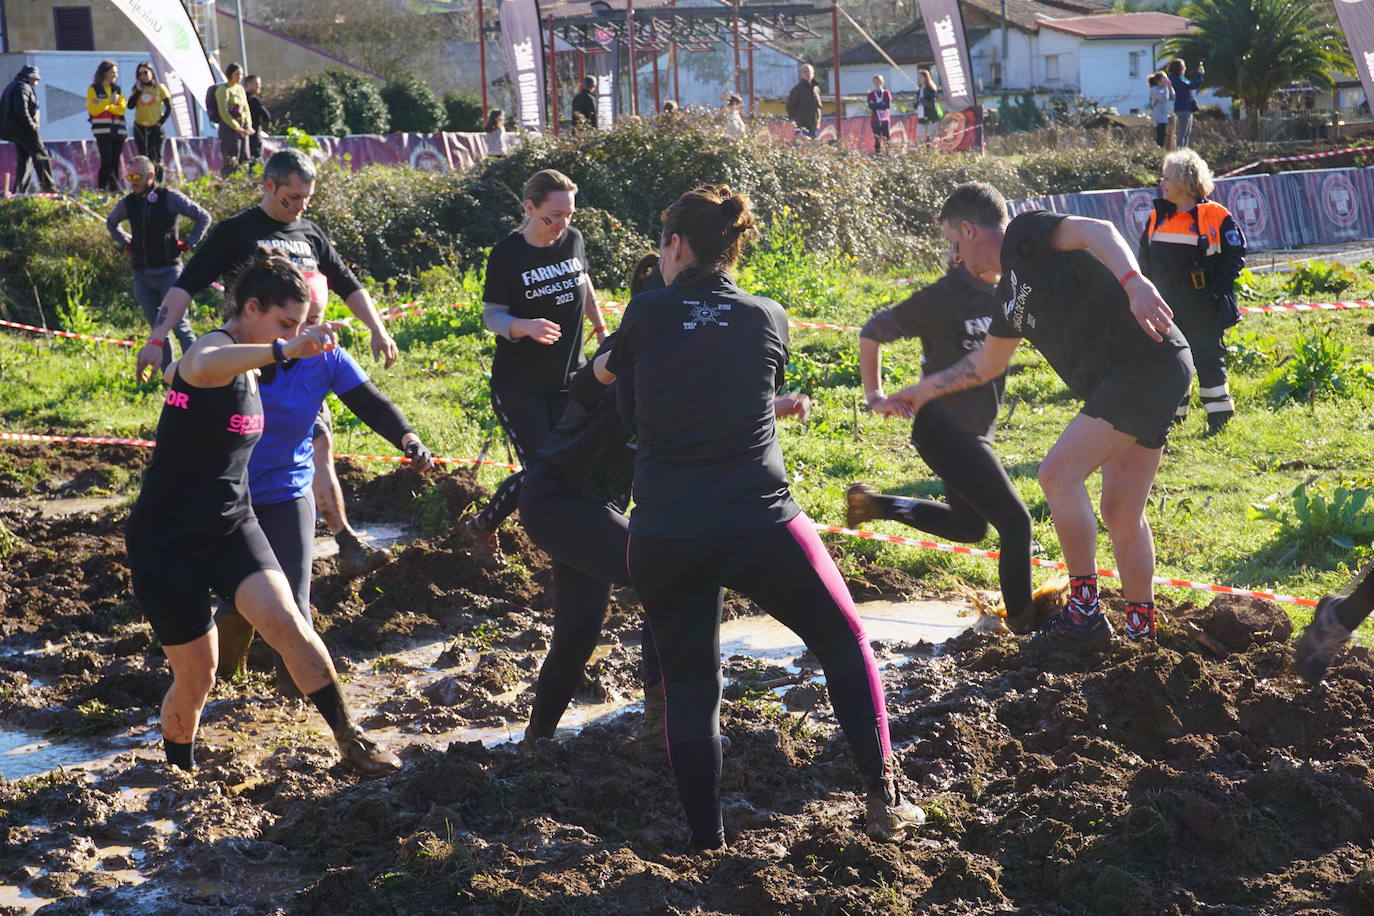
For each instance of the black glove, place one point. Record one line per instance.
(419, 456)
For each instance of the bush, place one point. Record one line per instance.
(314, 106)
(364, 110)
(1320, 278)
(1321, 367)
(462, 112)
(413, 106)
(617, 247)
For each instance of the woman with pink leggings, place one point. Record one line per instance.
(698, 364)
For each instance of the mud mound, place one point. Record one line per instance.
(34, 469)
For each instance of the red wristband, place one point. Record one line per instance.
(157, 343)
(598, 329)
(1131, 273)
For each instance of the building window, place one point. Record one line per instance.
(996, 70)
(1136, 58)
(72, 28)
(1051, 68)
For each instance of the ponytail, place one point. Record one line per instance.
(715, 222)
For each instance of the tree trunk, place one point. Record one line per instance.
(1252, 114)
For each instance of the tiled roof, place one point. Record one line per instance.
(1123, 25)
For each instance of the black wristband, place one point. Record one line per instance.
(277, 353)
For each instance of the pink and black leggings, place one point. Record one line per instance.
(787, 572)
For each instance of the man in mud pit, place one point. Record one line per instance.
(1073, 288)
(278, 222)
(1332, 626)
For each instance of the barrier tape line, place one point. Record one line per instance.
(1062, 567)
(147, 443)
(38, 330)
(1305, 157)
(829, 529)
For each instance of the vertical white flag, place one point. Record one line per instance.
(168, 28)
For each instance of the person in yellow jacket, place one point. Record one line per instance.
(152, 108)
(235, 120)
(106, 106)
(1193, 251)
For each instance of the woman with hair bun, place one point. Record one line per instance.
(698, 365)
(193, 530)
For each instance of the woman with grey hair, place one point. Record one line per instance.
(1193, 251)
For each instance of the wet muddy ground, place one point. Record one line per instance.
(1059, 778)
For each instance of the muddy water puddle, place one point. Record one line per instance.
(377, 535)
(24, 754)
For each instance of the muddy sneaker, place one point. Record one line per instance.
(358, 559)
(362, 754)
(1140, 620)
(860, 505)
(1082, 626)
(481, 544)
(1322, 641)
(889, 817)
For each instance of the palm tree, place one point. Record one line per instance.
(1253, 48)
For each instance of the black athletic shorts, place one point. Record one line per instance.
(324, 422)
(172, 584)
(1139, 397)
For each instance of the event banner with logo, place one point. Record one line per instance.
(604, 67)
(183, 98)
(524, 45)
(945, 28)
(167, 27)
(1357, 19)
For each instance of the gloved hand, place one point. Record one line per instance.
(420, 458)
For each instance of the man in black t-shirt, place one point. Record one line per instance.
(1072, 287)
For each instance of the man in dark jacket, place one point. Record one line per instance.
(804, 103)
(19, 124)
(584, 104)
(262, 118)
(152, 241)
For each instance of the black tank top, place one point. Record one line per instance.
(196, 486)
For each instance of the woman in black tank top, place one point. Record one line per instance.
(192, 529)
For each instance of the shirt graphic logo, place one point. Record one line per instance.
(703, 314)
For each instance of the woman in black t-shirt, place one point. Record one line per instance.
(953, 434)
(697, 368)
(1072, 287)
(192, 529)
(537, 292)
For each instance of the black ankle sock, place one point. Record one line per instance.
(180, 755)
(329, 701)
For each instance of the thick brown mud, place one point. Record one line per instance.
(1197, 775)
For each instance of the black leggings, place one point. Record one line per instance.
(527, 419)
(587, 540)
(787, 572)
(290, 529)
(977, 493)
(110, 147)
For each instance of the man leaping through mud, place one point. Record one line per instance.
(1072, 287)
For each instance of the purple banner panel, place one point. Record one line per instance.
(1331, 205)
(1262, 209)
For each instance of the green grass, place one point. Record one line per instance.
(1199, 510)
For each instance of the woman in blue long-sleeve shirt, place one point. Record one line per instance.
(1184, 102)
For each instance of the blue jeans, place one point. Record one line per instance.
(150, 286)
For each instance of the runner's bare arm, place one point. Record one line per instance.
(360, 304)
(593, 311)
(1100, 237)
(871, 369)
(214, 360)
(978, 368)
(173, 309)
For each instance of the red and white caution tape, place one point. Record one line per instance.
(1305, 157)
(147, 443)
(1309, 306)
(1052, 564)
(38, 330)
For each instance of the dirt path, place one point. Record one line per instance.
(1058, 778)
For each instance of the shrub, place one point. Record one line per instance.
(1320, 278)
(613, 248)
(364, 110)
(413, 106)
(462, 111)
(1321, 367)
(1341, 514)
(315, 106)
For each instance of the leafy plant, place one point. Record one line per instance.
(1316, 511)
(413, 105)
(1320, 278)
(462, 111)
(1249, 351)
(364, 110)
(1321, 366)
(316, 107)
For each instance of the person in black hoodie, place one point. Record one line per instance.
(19, 120)
(153, 243)
(697, 367)
(584, 104)
(262, 118)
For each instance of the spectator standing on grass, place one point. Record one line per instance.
(1193, 251)
(152, 108)
(1161, 106)
(928, 113)
(153, 243)
(1073, 288)
(1185, 102)
(804, 103)
(584, 104)
(19, 122)
(880, 104)
(262, 118)
(235, 120)
(106, 106)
